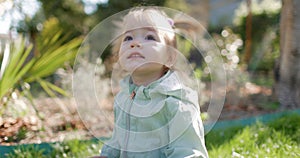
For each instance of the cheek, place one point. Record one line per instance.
(121, 53)
(160, 51)
(122, 49)
(159, 48)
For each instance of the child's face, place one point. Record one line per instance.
(143, 50)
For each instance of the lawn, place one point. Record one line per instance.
(278, 138)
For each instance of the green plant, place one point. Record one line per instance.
(71, 148)
(54, 51)
(27, 152)
(15, 69)
(76, 148)
(21, 134)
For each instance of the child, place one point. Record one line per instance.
(156, 115)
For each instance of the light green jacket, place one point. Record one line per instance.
(161, 120)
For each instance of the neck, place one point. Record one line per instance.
(145, 78)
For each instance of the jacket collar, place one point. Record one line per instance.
(150, 99)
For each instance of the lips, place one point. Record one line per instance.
(135, 55)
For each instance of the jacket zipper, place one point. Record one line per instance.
(132, 96)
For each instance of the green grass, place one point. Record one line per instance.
(279, 138)
(69, 149)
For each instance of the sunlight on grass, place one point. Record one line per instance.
(279, 138)
(72, 148)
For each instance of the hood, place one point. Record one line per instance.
(150, 99)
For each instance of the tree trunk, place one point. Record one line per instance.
(288, 69)
(248, 43)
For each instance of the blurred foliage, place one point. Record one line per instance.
(53, 52)
(184, 46)
(31, 25)
(177, 4)
(265, 34)
(265, 40)
(115, 6)
(261, 22)
(71, 14)
(230, 43)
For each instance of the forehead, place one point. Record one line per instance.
(145, 19)
(143, 30)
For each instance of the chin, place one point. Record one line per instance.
(143, 68)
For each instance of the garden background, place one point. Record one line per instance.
(257, 39)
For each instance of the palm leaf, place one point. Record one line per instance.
(55, 50)
(15, 68)
(49, 62)
(51, 88)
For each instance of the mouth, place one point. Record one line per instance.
(135, 55)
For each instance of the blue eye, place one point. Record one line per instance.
(150, 37)
(128, 38)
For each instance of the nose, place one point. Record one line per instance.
(135, 44)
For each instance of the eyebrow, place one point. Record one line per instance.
(147, 28)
